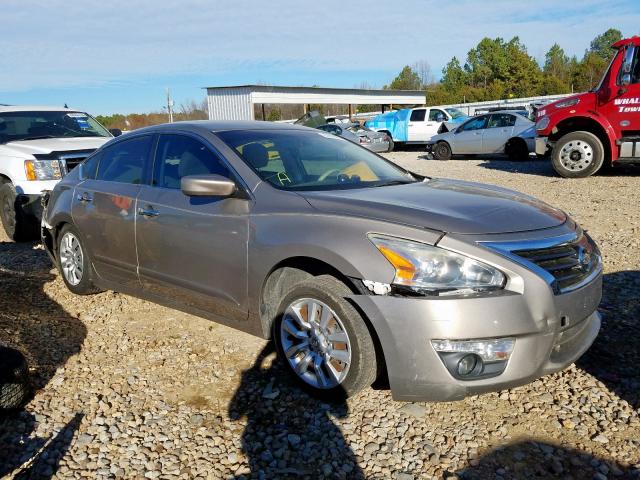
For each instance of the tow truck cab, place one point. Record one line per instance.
(586, 131)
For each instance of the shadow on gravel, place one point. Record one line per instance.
(289, 435)
(31, 458)
(30, 320)
(614, 358)
(530, 166)
(531, 459)
(35, 324)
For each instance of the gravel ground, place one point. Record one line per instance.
(128, 389)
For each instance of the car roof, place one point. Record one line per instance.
(221, 126)
(34, 108)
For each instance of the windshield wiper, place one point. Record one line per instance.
(37, 137)
(393, 182)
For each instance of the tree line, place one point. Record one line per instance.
(494, 69)
(497, 69)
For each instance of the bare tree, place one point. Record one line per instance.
(423, 69)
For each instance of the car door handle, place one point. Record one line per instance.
(84, 198)
(148, 212)
(411, 124)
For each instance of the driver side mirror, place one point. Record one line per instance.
(625, 80)
(116, 132)
(207, 186)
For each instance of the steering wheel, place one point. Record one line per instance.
(327, 173)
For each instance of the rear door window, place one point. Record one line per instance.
(418, 115)
(501, 120)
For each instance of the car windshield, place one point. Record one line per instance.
(312, 160)
(455, 113)
(16, 126)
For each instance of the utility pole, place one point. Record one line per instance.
(170, 106)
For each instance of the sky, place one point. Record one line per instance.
(121, 55)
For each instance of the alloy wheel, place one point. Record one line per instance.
(315, 343)
(71, 258)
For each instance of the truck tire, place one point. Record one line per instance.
(329, 352)
(18, 226)
(577, 155)
(442, 151)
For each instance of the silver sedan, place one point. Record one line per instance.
(374, 141)
(498, 132)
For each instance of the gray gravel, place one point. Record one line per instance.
(130, 389)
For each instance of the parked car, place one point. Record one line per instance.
(350, 263)
(374, 141)
(499, 132)
(38, 146)
(416, 125)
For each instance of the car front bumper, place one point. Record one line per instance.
(406, 325)
(542, 144)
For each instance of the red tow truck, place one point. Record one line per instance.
(600, 127)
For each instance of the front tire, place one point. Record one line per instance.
(73, 262)
(18, 226)
(324, 340)
(577, 155)
(442, 151)
(391, 145)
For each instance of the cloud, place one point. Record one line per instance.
(68, 43)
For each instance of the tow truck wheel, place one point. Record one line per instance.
(577, 155)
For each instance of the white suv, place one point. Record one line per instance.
(38, 146)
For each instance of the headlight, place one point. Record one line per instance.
(568, 103)
(542, 123)
(42, 169)
(426, 268)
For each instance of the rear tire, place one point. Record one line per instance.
(442, 151)
(517, 149)
(330, 352)
(577, 155)
(73, 262)
(18, 226)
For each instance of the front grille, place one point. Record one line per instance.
(570, 264)
(71, 160)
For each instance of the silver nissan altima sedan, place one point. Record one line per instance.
(354, 266)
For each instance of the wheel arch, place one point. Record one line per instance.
(293, 270)
(4, 179)
(286, 274)
(586, 124)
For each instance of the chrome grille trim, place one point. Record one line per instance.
(566, 262)
(68, 161)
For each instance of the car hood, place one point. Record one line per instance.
(446, 205)
(48, 145)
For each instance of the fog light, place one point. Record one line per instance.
(474, 359)
(467, 364)
(488, 350)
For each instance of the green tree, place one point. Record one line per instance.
(453, 75)
(407, 79)
(601, 45)
(556, 63)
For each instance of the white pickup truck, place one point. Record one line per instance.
(415, 125)
(38, 146)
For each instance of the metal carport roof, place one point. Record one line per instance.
(236, 102)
